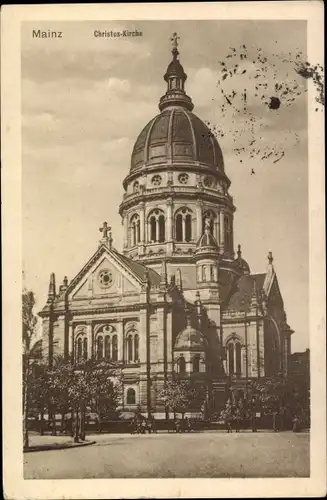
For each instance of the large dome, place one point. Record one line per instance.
(177, 135)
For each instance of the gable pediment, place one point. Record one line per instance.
(104, 276)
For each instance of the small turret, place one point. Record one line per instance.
(254, 296)
(52, 288)
(179, 281)
(64, 285)
(163, 275)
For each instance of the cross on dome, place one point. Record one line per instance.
(174, 42)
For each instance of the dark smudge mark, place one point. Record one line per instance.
(274, 103)
(316, 72)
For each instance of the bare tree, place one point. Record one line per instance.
(28, 338)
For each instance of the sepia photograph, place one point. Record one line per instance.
(165, 247)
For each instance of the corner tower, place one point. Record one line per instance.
(176, 181)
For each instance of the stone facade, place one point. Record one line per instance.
(176, 303)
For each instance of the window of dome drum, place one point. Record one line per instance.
(136, 187)
(156, 180)
(105, 278)
(183, 178)
(183, 225)
(136, 230)
(208, 181)
(156, 224)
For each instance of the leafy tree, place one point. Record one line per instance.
(39, 390)
(278, 393)
(90, 386)
(29, 322)
(105, 388)
(179, 396)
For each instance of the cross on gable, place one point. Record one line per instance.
(106, 231)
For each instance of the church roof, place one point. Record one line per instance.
(176, 135)
(207, 240)
(190, 339)
(139, 269)
(241, 298)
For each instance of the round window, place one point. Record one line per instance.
(183, 178)
(156, 180)
(105, 278)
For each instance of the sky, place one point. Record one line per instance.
(85, 99)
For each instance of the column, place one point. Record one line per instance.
(222, 232)
(169, 229)
(142, 220)
(125, 222)
(242, 361)
(148, 226)
(89, 339)
(120, 337)
(144, 360)
(198, 222)
(234, 354)
(169, 346)
(183, 228)
(70, 341)
(216, 229)
(157, 230)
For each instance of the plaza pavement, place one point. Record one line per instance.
(163, 455)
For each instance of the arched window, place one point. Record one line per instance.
(100, 347)
(115, 348)
(231, 358)
(79, 350)
(135, 229)
(196, 364)
(153, 227)
(179, 227)
(161, 228)
(227, 232)
(136, 187)
(211, 216)
(181, 365)
(136, 347)
(183, 225)
(107, 347)
(234, 357)
(156, 224)
(130, 348)
(131, 399)
(85, 348)
(238, 357)
(188, 227)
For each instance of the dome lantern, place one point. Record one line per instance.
(175, 78)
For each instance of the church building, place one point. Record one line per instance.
(177, 303)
